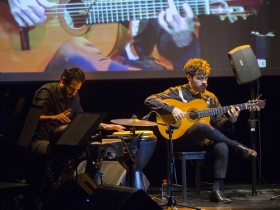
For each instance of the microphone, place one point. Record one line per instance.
(147, 116)
(173, 126)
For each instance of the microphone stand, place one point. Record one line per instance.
(171, 204)
(170, 169)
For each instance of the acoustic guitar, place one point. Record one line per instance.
(197, 110)
(101, 22)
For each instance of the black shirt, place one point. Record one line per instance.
(50, 98)
(183, 93)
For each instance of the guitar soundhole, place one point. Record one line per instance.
(75, 14)
(193, 115)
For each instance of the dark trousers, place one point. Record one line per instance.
(194, 140)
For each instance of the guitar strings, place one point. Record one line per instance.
(126, 5)
(102, 14)
(79, 15)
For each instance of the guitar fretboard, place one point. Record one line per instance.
(119, 10)
(220, 110)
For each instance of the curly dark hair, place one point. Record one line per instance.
(197, 66)
(73, 73)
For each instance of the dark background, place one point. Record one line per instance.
(123, 98)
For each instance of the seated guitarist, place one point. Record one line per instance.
(202, 135)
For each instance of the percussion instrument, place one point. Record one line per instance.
(111, 148)
(142, 154)
(138, 149)
(133, 122)
(108, 148)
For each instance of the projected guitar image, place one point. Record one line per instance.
(198, 110)
(100, 22)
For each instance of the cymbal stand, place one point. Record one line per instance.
(172, 204)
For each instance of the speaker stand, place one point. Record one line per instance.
(252, 121)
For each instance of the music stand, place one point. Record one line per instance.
(73, 144)
(77, 134)
(29, 126)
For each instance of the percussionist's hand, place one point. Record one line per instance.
(112, 127)
(178, 114)
(63, 117)
(180, 28)
(29, 12)
(233, 113)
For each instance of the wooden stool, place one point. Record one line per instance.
(183, 156)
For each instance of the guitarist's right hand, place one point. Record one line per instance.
(178, 114)
(29, 12)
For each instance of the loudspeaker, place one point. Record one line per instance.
(114, 173)
(244, 64)
(72, 195)
(107, 197)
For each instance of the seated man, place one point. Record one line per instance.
(202, 135)
(59, 103)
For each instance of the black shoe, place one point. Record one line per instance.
(219, 197)
(246, 152)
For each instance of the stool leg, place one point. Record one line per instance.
(184, 180)
(198, 177)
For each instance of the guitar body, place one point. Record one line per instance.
(197, 110)
(44, 40)
(185, 123)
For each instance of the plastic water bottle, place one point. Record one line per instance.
(164, 190)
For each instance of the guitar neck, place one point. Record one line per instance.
(119, 10)
(220, 110)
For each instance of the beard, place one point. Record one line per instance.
(64, 92)
(202, 88)
(196, 88)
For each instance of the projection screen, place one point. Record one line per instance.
(118, 39)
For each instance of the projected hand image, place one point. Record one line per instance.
(45, 36)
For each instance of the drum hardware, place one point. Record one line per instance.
(132, 151)
(135, 143)
(101, 175)
(88, 160)
(108, 148)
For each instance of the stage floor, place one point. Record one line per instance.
(240, 194)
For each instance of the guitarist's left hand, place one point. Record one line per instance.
(233, 113)
(180, 28)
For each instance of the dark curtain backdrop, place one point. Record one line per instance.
(123, 98)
